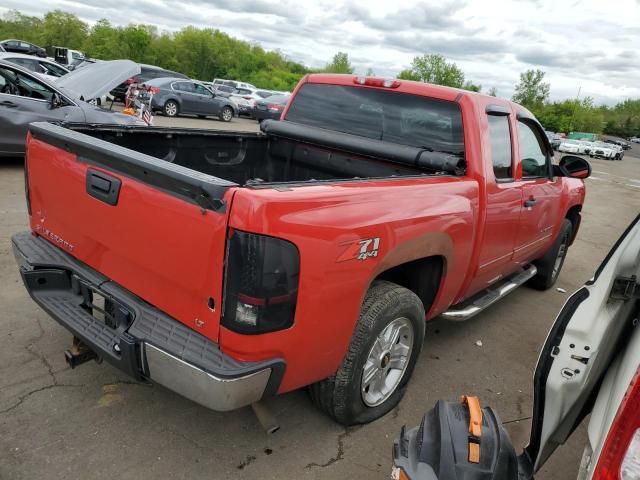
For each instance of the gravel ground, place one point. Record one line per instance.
(95, 423)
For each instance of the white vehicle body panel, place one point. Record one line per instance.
(578, 353)
(612, 391)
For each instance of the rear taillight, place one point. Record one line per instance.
(275, 107)
(620, 456)
(261, 285)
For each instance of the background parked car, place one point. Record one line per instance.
(621, 143)
(223, 90)
(233, 83)
(177, 96)
(554, 139)
(605, 150)
(18, 46)
(67, 57)
(570, 146)
(26, 97)
(43, 67)
(147, 72)
(247, 97)
(270, 107)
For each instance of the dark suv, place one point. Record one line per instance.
(147, 72)
(18, 46)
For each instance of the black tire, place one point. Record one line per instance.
(340, 395)
(171, 108)
(547, 271)
(226, 114)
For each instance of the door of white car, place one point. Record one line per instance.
(592, 332)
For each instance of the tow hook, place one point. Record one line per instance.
(79, 353)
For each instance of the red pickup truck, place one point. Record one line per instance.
(229, 266)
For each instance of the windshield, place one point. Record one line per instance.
(381, 114)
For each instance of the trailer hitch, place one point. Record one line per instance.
(79, 353)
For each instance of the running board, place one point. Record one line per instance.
(473, 306)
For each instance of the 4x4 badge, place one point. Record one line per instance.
(360, 249)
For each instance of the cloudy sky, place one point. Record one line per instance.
(589, 44)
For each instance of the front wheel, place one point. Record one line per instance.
(226, 114)
(550, 265)
(383, 352)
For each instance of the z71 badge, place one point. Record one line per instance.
(360, 250)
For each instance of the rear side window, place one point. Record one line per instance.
(532, 152)
(184, 87)
(500, 140)
(381, 114)
(27, 63)
(53, 70)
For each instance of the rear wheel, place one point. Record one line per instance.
(170, 108)
(226, 114)
(550, 265)
(383, 352)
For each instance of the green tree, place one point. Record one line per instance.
(434, 68)
(493, 92)
(408, 74)
(468, 85)
(532, 92)
(63, 29)
(16, 25)
(102, 41)
(339, 64)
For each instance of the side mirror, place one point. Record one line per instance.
(574, 167)
(56, 101)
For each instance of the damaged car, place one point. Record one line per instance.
(26, 97)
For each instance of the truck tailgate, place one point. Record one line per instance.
(161, 235)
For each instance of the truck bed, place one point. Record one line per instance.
(255, 158)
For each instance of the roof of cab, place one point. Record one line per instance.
(412, 87)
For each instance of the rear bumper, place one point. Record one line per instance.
(136, 337)
(245, 110)
(266, 114)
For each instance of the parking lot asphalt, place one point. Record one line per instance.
(95, 423)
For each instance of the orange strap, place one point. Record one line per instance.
(475, 427)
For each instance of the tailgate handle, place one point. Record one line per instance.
(102, 186)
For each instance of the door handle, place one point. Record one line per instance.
(530, 203)
(7, 103)
(105, 188)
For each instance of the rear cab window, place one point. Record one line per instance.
(385, 115)
(500, 142)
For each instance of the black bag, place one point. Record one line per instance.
(456, 441)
